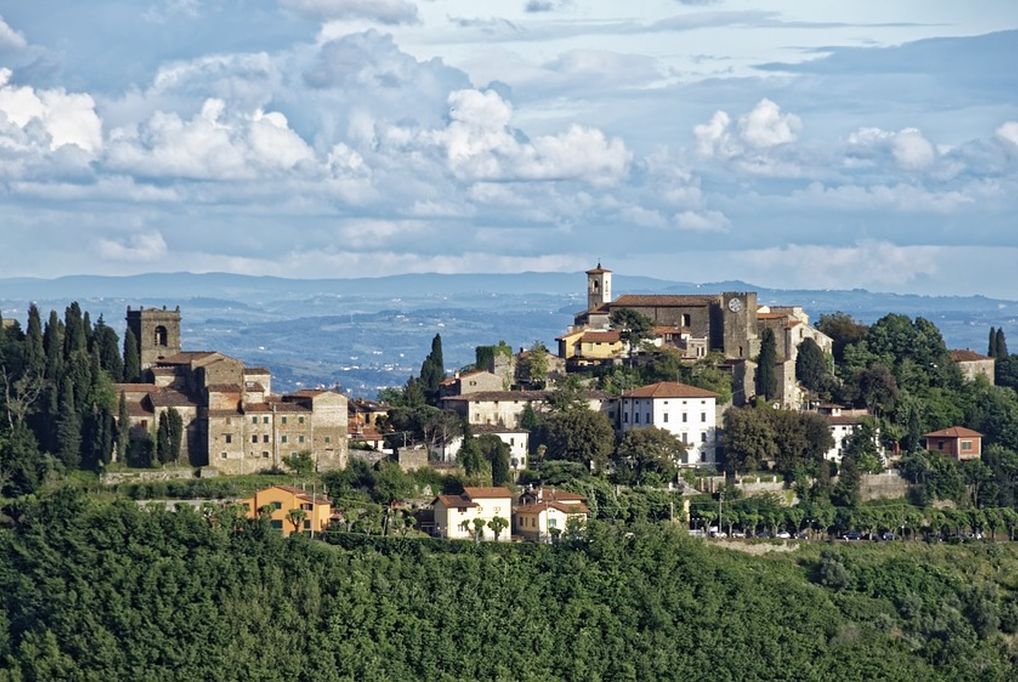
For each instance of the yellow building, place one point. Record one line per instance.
(317, 510)
(543, 514)
(590, 345)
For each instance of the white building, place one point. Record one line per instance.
(517, 439)
(543, 514)
(505, 408)
(455, 514)
(688, 412)
(843, 422)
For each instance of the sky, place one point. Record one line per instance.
(792, 143)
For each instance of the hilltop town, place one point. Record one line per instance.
(690, 396)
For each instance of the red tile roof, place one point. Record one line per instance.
(487, 493)
(670, 389)
(134, 388)
(601, 337)
(954, 432)
(562, 507)
(662, 301)
(966, 355)
(454, 501)
(598, 270)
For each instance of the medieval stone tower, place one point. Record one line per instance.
(599, 287)
(157, 331)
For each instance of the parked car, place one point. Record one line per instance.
(888, 537)
(801, 535)
(718, 534)
(784, 535)
(851, 536)
(738, 534)
(697, 533)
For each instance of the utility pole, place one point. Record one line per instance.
(721, 499)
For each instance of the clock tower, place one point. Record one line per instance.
(738, 312)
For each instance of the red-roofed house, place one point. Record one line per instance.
(455, 514)
(688, 412)
(957, 442)
(543, 514)
(973, 364)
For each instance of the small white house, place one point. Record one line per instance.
(455, 514)
(544, 514)
(688, 412)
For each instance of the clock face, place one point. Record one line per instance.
(735, 305)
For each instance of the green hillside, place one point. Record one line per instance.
(95, 590)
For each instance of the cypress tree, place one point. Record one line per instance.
(68, 427)
(163, 446)
(53, 342)
(176, 426)
(35, 352)
(766, 379)
(132, 358)
(811, 366)
(1001, 345)
(86, 325)
(75, 338)
(123, 428)
(106, 340)
(433, 369)
(991, 348)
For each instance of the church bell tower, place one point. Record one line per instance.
(599, 287)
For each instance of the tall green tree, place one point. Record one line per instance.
(123, 428)
(766, 377)
(497, 454)
(176, 427)
(991, 346)
(75, 336)
(132, 358)
(749, 439)
(108, 343)
(843, 330)
(53, 341)
(633, 326)
(811, 367)
(1000, 346)
(433, 369)
(846, 490)
(35, 351)
(68, 427)
(163, 446)
(580, 435)
(648, 455)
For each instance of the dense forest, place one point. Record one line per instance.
(96, 590)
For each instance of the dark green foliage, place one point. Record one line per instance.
(846, 490)
(991, 347)
(812, 368)
(35, 351)
(749, 439)
(633, 326)
(766, 377)
(497, 455)
(123, 437)
(68, 427)
(132, 358)
(301, 463)
(581, 436)
(105, 339)
(231, 599)
(843, 330)
(433, 369)
(175, 423)
(163, 447)
(141, 451)
(485, 355)
(1000, 345)
(648, 456)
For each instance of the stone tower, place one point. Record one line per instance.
(740, 336)
(599, 287)
(157, 331)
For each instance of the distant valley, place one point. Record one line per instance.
(368, 333)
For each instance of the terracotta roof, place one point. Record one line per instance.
(170, 398)
(185, 357)
(598, 270)
(485, 396)
(601, 337)
(138, 410)
(224, 388)
(134, 388)
(662, 301)
(543, 506)
(954, 432)
(662, 330)
(487, 493)
(301, 494)
(256, 407)
(256, 370)
(310, 393)
(669, 389)
(224, 413)
(552, 495)
(966, 355)
(454, 501)
(844, 420)
(772, 316)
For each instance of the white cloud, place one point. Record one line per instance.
(382, 11)
(702, 221)
(9, 38)
(145, 247)
(211, 145)
(1008, 132)
(714, 138)
(765, 126)
(64, 118)
(902, 197)
(908, 147)
(479, 145)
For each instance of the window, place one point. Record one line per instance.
(254, 439)
(284, 420)
(966, 445)
(265, 454)
(665, 417)
(703, 436)
(265, 438)
(277, 505)
(636, 418)
(300, 420)
(307, 525)
(328, 439)
(300, 439)
(685, 417)
(703, 416)
(254, 420)
(161, 336)
(552, 523)
(685, 437)
(144, 423)
(307, 506)
(265, 420)
(648, 418)
(512, 442)
(228, 438)
(229, 421)
(283, 439)
(277, 523)
(625, 417)
(222, 455)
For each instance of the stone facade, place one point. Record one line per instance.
(974, 365)
(157, 331)
(233, 420)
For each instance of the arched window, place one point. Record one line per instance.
(161, 336)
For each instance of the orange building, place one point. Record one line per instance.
(957, 442)
(283, 499)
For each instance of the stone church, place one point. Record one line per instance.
(729, 323)
(234, 422)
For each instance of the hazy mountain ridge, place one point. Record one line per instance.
(369, 332)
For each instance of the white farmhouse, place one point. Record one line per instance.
(688, 412)
(455, 514)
